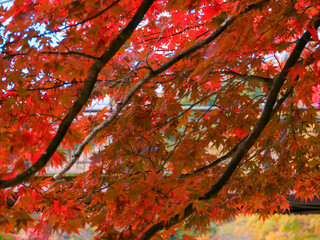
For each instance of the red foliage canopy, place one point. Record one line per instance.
(253, 64)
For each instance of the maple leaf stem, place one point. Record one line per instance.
(83, 96)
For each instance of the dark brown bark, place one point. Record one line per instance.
(83, 96)
(247, 143)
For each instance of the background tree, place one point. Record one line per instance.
(255, 63)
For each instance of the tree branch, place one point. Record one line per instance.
(247, 143)
(72, 25)
(83, 96)
(235, 148)
(133, 90)
(213, 164)
(9, 56)
(71, 53)
(266, 81)
(265, 116)
(192, 106)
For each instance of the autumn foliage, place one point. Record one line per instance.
(255, 65)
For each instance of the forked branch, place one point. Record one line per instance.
(134, 89)
(247, 143)
(83, 96)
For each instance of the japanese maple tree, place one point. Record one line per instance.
(254, 64)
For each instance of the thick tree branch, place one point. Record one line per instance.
(235, 148)
(247, 143)
(148, 77)
(83, 96)
(265, 116)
